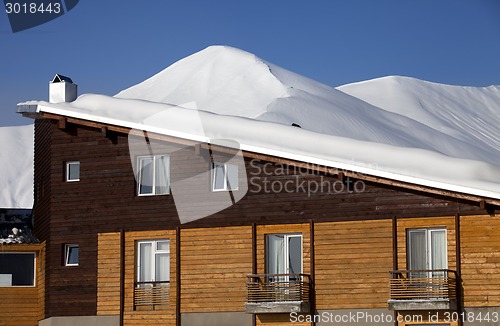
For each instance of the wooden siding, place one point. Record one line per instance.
(262, 231)
(108, 288)
(41, 274)
(105, 201)
(162, 315)
(24, 305)
(42, 179)
(42, 200)
(215, 263)
(108, 274)
(480, 244)
(416, 223)
(353, 260)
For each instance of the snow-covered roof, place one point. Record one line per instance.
(427, 134)
(16, 167)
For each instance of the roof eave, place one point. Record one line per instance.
(478, 196)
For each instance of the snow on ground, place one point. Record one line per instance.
(16, 167)
(246, 99)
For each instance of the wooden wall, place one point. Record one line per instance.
(215, 263)
(24, 305)
(105, 201)
(162, 315)
(42, 199)
(480, 244)
(353, 260)
(262, 231)
(108, 286)
(41, 274)
(42, 178)
(108, 273)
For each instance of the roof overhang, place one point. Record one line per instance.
(43, 110)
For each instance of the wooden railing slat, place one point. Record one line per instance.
(151, 295)
(441, 284)
(274, 287)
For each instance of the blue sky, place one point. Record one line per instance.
(107, 46)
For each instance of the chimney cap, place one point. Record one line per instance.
(58, 78)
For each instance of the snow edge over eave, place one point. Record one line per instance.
(269, 146)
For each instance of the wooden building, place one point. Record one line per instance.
(22, 270)
(357, 249)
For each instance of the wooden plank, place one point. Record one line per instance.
(480, 266)
(351, 277)
(215, 282)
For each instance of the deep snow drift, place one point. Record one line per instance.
(469, 114)
(16, 167)
(229, 81)
(447, 142)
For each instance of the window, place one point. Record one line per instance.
(153, 263)
(224, 177)
(17, 269)
(284, 255)
(71, 252)
(154, 175)
(427, 250)
(72, 171)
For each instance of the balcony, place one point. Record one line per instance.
(151, 294)
(423, 290)
(278, 293)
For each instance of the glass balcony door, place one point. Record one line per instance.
(284, 256)
(427, 250)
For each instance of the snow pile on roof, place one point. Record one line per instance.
(469, 114)
(253, 102)
(229, 81)
(16, 167)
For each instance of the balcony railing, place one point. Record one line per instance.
(435, 289)
(278, 293)
(151, 293)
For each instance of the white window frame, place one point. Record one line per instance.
(68, 164)
(67, 248)
(153, 187)
(286, 253)
(226, 176)
(34, 269)
(154, 252)
(428, 242)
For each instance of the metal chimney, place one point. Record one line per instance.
(62, 89)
